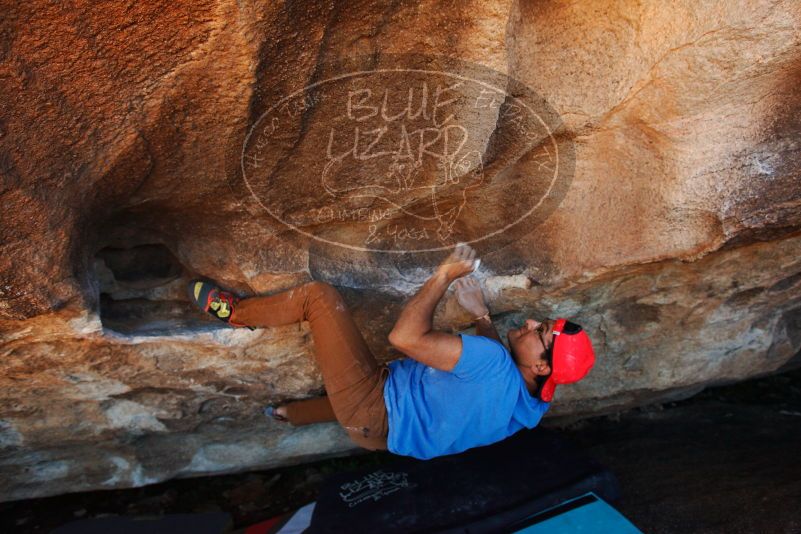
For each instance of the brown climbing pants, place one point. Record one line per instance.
(354, 381)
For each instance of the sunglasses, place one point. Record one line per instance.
(542, 330)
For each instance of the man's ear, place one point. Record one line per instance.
(542, 368)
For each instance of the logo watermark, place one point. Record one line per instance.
(410, 156)
(373, 487)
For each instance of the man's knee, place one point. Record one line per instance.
(324, 290)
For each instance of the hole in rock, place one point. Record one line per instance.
(143, 292)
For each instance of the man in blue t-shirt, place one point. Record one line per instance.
(453, 392)
(457, 392)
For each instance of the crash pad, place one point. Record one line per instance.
(588, 513)
(205, 523)
(485, 489)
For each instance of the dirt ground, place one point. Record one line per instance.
(725, 461)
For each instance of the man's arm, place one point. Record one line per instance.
(470, 297)
(484, 327)
(413, 333)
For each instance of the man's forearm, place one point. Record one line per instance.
(484, 327)
(416, 319)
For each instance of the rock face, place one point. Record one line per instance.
(634, 166)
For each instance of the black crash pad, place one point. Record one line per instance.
(204, 523)
(485, 489)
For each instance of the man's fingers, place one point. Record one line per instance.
(461, 261)
(467, 283)
(462, 250)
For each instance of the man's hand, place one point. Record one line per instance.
(461, 261)
(413, 333)
(469, 295)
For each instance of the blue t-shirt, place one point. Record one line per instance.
(482, 400)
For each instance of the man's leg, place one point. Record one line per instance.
(353, 379)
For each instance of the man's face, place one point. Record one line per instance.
(527, 346)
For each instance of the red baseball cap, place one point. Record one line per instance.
(572, 357)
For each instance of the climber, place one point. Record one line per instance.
(452, 393)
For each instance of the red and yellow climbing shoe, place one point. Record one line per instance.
(213, 300)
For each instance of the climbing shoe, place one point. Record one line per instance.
(213, 300)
